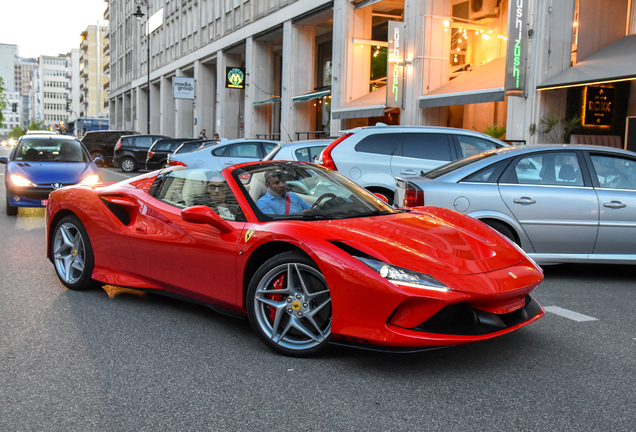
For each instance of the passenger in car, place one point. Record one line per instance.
(277, 200)
(216, 198)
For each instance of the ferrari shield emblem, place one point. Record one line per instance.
(248, 235)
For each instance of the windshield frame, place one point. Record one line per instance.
(354, 197)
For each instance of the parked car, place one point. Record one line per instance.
(41, 163)
(157, 156)
(101, 144)
(349, 270)
(189, 146)
(224, 153)
(41, 132)
(304, 151)
(560, 203)
(131, 151)
(372, 156)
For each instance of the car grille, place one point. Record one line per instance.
(454, 318)
(463, 319)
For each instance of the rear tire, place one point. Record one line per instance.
(128, 165)
(98, 154)
(502, 229)
(11, 211)
(72, 254)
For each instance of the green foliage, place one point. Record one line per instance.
(36, 124)
(16, 132)
(548, 126)
(569, 127)
(495, 132)
(532, 128)
(549, 123)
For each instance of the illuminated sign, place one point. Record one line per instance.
(234, 77)
(516, 51)
(599, 106)
(183, 87)
(395, 67)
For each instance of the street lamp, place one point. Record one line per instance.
(139, 14)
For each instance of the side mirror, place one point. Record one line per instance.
(3, 160)
(99, 162)
(204, 215)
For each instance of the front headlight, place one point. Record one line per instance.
(402, 276)
(21, 181)
(90, 180)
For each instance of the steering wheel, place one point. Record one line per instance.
(321, 198)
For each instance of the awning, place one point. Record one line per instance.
(370, 105)
(312, 95)
(268, 101)
(483, 84)
(616, 62)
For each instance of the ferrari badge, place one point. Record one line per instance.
(248, 235)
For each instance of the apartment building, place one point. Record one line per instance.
(51, 89)
(289, 69)
(91, 71)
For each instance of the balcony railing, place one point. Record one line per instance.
(106, 86)
(107, 14)
(106, 49)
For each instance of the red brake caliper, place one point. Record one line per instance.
(277, 284)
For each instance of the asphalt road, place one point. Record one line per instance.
(113, 359)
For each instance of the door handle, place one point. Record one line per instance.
(408, 172)
(614, 204)
(524, 200)
(141, 230)
(228, 163)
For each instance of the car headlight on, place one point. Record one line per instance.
(402, 276)
(90, 180)
(21, 181)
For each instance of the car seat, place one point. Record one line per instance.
(257, 186)
(195, 185)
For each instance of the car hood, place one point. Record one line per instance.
(427, 239)
(53, 172)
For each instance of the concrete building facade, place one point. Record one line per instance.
(316, 68)
(51, 90)
(92, 78)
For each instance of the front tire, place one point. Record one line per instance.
(72, 254)
(11, 211)
(289, 305)
(129, 165)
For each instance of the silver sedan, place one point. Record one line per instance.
(560, 203)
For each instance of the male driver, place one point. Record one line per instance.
(277, 200)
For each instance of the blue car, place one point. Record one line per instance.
(40, 164)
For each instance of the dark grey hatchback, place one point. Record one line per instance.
(131, 151)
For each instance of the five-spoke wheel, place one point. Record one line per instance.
(289, 305)
(72, 254)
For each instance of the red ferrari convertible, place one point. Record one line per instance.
(311, 258)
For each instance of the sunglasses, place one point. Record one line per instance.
(216, 187)
(280, 175)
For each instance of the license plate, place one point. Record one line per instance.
(44, 203)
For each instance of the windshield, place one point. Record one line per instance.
(50, 150)
(304, 191)
(452, 166)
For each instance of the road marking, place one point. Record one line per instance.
(575, 316)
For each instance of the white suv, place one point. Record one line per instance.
(373, 156)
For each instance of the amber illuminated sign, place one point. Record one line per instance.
(599, 106)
